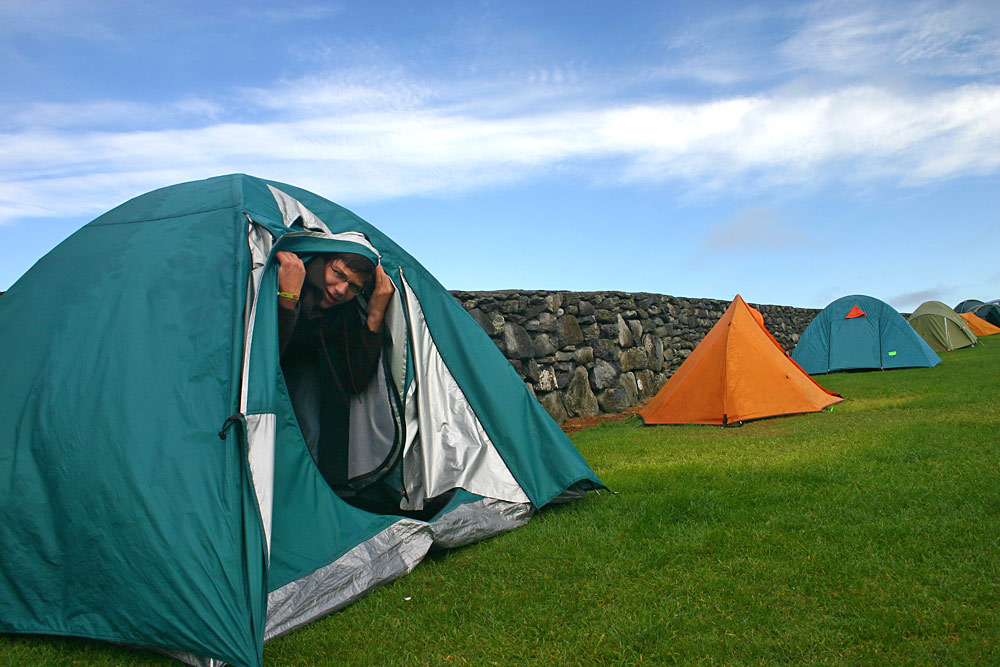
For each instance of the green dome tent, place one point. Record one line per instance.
(968, 306)
(155, 486)
(989, 311)
(941, 327)
(860, 332)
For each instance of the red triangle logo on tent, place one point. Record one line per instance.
(855, 312)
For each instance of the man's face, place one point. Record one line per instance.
(340, 284)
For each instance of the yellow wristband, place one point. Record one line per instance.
(289, 295)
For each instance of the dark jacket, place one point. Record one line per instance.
(336, 341)
(336, 338)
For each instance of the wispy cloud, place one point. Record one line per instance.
(117, 115)
(288, 12)
(724, 48)
(755, 228)
(908, 301)
(60, 18)
(371, 129)
(941, 39)
(838, 43)
(365, 143)
(338, 94)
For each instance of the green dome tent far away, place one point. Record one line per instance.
(156, 489)
(861, 332)
(989, 311)
(942, 328)
(968, 306)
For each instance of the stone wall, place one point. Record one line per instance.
(586, 353)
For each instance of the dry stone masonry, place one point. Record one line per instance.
(587, 353)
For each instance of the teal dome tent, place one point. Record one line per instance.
(155, 486)
(861, 332)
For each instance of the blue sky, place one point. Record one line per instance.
(792, 152)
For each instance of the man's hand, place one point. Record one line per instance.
(380, 298)
(291, 276)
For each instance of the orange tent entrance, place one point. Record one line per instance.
(737, 373)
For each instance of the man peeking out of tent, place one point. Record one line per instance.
(330, 345)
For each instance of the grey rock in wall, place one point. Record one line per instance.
(579, 400)
(517, 342)
(603, 375)
(553, 404)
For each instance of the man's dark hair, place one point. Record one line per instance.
(360, 264)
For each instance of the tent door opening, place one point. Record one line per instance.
(357, 444)
(854, 343)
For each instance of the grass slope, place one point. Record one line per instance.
(864, 535)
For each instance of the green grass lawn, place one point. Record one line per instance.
(868, 534)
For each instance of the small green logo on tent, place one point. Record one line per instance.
(893, 353)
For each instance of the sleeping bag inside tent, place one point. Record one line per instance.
(156, 488)
(941, 327)
(861, 332)
(738, 372)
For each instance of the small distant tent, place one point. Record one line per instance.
(979, 326)
(968, 306)
(155, 486)
(941, 327)
(737, 373)
(861, 332)
(989, 311)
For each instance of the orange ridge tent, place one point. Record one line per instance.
(979, 326)
(738, 372)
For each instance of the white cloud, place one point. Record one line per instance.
(119, 114)
(338, 94)
(930, 37)
(854, 134)
(837, 42)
